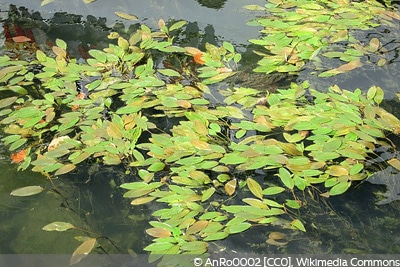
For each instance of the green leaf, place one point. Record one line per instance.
(340, 188)
(207, 194)
(7, 101)
(228, 46)
(177, 25)
(194, 245)
(297, 224)
(158, 246)
(233, 158)
(60, 43)
(58, 226)
(238, 228)
(169, 72)
(216, 236)
(286, 178)
(18, 143)
(27, 191)
(273, 190)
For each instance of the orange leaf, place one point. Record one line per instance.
(197, 58)
(21, 39)
(19, 156)
(349, 66)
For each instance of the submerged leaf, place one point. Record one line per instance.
(58, 226)
(27, 191)
(82, 251)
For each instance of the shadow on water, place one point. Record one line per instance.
(91, 198)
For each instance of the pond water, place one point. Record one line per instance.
(364, 220)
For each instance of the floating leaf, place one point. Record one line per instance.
(273, 190)
(158, 232)
(159, 246)
(286, 178)
(197, 227)
(177, 25)
(394, 163)
(230, 187)
(254, 187)
(238, 228)
(58, 226)
(27, 191)
(216, 236)
(340, 188)
(7, 101)
(208, 193)
(126, 16)
(297, 224)
(82, 251)
(65, 169)
(45, 2)
(142, 200)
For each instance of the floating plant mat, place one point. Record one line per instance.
(296, 32)
(202, 170)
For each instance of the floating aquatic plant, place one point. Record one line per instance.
(62, 113)
(297, 32)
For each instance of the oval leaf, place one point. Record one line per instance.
(58, 226)
(82, 251)
(125, 16)
(158, 232)
(255, 188)
(340, 188)
(230, 187)
(27, 191)
(65, 169)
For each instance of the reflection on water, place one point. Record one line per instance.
(91, 198)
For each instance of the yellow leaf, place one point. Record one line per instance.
(184, 103)
(374, 44)
(45, 2)
(126, 16)
(200, 127)
(230, 187)
(394, 163)
(113, 130)
(337, 170)
(196, 227)
(65, 169)
(254, 187)
(199, 144)
(82, 251)
(193, 50)
(142, 200)
(161, 23)
(59, 52)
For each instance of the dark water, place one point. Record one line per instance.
(91, 200)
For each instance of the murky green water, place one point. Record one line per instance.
(90, 198)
